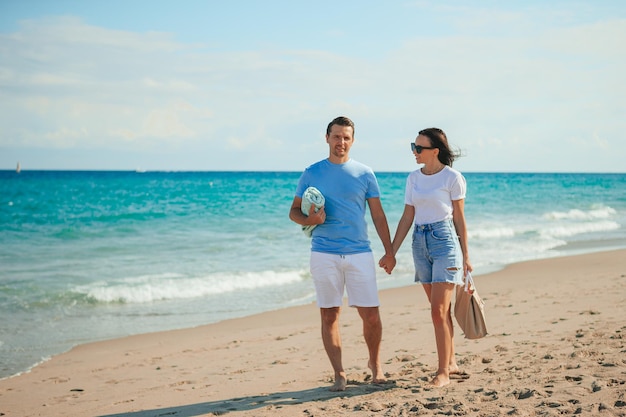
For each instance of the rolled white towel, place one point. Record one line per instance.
(311, 196)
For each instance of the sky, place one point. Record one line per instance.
(242, 85)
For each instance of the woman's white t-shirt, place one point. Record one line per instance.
(432, 195)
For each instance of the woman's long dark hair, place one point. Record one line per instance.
(439, 140)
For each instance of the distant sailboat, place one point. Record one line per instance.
(19, 168)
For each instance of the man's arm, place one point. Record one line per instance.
(296, 215)
(382, 228)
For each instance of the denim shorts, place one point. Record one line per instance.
(437, 253)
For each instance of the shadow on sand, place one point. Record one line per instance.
(278, 399)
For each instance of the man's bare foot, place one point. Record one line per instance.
(340, 383)
(454, 369)
(378, 376)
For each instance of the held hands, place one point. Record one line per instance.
(387, 262)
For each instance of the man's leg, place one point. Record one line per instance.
(332, 344)
(373, 332)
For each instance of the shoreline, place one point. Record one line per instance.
(565, 250)
(562, 314)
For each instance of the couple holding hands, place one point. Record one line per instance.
(341, 256)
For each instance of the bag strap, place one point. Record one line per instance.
(469, 283)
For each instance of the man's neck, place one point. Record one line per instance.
(336, 160)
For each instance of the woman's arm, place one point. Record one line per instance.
(404, 225)
(458, 218)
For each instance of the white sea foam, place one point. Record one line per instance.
(151, 288)
(491, 233)
(599, 212)
(507, 240)
(528, 237)
(573, 229)
(27, 369)
(505, 251)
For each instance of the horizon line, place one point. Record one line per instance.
(146, 171)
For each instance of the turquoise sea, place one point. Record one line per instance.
(86, 256)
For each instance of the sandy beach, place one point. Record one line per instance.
(556, 346)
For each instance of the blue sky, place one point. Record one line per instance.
(518, 86)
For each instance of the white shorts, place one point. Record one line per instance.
(356, 273)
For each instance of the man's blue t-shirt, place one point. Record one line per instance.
(346, 187)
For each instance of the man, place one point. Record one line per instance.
(341, 256)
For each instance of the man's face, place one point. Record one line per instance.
(340, 140)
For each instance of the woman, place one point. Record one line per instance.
(434, 203)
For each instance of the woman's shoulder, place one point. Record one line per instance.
(454, 177)
(452, 171)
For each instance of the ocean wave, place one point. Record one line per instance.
(600, 212)
(146, 289)
(549, 225)
(496, 232)
(518, 240)
(573, 229)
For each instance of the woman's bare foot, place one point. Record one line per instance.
(440, 381)
(378, 376)
(442, 378)
(454, 369)
(340, 383)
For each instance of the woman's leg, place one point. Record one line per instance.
(440, 300)
(453, 367)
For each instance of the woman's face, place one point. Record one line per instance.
(426, 155)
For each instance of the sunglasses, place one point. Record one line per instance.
(420, 148)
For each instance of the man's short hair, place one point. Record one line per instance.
(341, 121)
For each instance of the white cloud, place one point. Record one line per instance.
(64, 83)
(600, 142)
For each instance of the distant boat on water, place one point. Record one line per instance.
(19, 168)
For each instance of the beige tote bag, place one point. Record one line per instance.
(469, 310)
